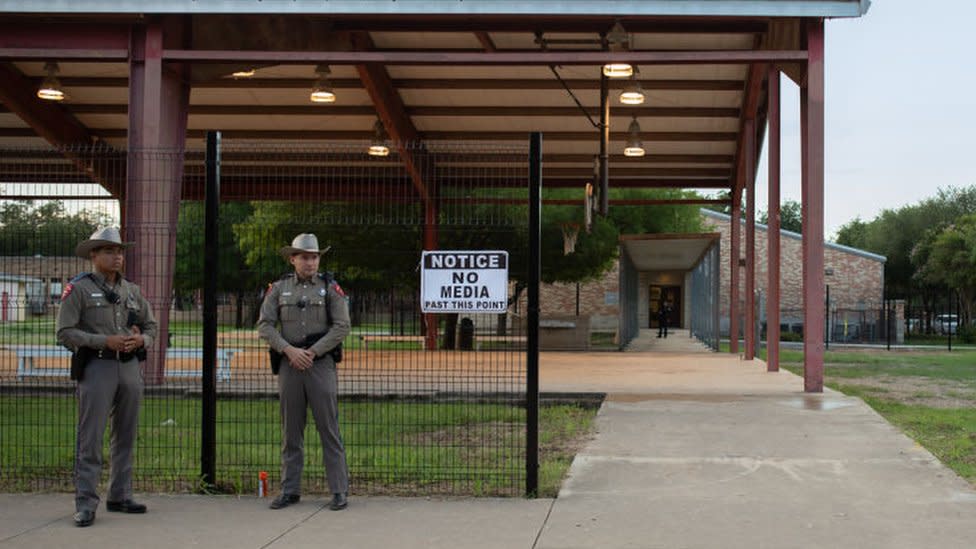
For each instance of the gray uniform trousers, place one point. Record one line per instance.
(317, 387)
(109, 388)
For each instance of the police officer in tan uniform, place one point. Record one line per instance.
(105, 319)
(304, 317)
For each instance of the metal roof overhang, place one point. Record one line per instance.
(667, 252)
(765, 8)
(452, 76)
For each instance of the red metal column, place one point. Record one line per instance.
(430, 243)
(735, 229)
(749, 160)
(158, 107)
(772, 233)
(812, 119)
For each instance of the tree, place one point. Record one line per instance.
(44, 228)
(947, 258)
(853, 233)
(901, 236)
(790, 216)
(234, 276)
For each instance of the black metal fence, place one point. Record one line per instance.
(429, 404)
(868, 324)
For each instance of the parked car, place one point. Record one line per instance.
(946, 324)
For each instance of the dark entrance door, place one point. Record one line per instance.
(658, 297)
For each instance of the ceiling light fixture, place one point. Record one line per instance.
(378, 147)
(634, 146)
(50, 89)
(618, 40)
(632, 94)
(618, 70)
(244, 74)
(322, 90)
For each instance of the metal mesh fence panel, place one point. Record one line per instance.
(429, 404)
(704, 296)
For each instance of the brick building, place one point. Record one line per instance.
(855, 279)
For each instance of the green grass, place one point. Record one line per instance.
(392, 447)
(959, 366)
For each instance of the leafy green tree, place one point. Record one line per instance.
(790, 216)
(853, 233)
(947, 258)
(44, 228)
(233, 275)
(900, 236)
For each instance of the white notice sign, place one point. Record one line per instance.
(464, 282)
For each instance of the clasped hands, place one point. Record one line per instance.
(126, 343)
(300, 359)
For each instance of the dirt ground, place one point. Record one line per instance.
(915, 390)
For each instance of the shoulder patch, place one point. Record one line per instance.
(338, 289)
(67, 290)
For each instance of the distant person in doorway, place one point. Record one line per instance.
(662, 319)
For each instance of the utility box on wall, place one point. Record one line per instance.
(564, 333)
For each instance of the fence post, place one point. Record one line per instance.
(532, 319)
(949, 318)
(827, 321)
(208, 419)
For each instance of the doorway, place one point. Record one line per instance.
(664, 296)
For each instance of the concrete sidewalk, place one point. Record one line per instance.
(693, 450)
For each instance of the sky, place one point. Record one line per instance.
(900, 110)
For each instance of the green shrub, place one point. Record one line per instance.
(966, 333)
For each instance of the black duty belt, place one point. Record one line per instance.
(114, 355)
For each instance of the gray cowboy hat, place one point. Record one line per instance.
(303, 243)
(106, 236)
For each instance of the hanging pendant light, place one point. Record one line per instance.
(632, 94)
(378, 147)
(618, 70)
(50, 89)
(634, 145)
(618, 40)
(322, 90)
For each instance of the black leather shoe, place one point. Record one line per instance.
(84, 518)
(284, 500)
(339, 502)
(125, 506)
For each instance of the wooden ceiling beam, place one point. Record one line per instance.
(730, 85)
(367, 110)
(392, 113)
(562, 24)
(58, 127)
(497, 58)
(358, 135)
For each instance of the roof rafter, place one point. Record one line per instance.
(392, 113)
(56, 126)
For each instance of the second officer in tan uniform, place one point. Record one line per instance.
(304, 317)
(105, 321)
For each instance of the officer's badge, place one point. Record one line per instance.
(322, 292)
